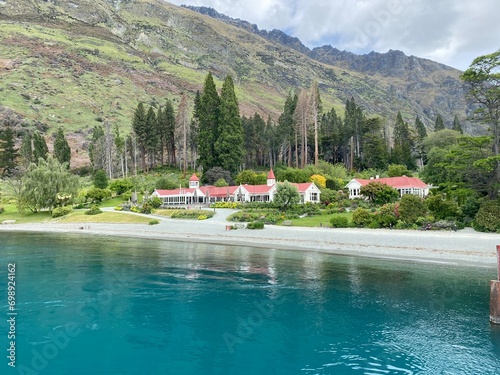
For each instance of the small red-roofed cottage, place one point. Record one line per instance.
(197, 194)
(404, 185)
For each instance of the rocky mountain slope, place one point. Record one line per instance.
(78, 63)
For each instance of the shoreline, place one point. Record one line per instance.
(462, 248)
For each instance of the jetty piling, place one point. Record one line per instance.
(495, 294)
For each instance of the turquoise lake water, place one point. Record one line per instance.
(105, 305)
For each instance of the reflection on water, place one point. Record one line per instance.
(116, 306)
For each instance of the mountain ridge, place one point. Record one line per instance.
(104, 56)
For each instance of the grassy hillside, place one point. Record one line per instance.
(76, 64)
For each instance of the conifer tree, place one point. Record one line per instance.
(151, 136)
(97, 148)
(229, 144)
(439, 125)
(8, 152)
(62, 151)
(456, 125)
(286, 126)
(420, 127)
(26, 149)
(375, 154)
(140, 129)
(182, 131)
(403, 144)
(208, 117)
(168, 129)
(40, 149)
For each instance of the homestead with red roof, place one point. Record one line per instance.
(197, 194)
(404, 185)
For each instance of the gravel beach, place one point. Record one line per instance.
(464, 247)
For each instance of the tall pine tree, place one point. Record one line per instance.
(139, 126)
(229, 145)
(439, 125)
(8, 152)
(40, 149)
(208, 119)
(403, 144)
(456, 125)
(62, 151)
(26, 150)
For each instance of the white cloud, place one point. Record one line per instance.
(448, 31)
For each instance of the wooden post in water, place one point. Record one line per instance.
(495, 294)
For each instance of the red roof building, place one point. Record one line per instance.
(404, 185)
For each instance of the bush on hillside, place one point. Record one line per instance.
(61, 211)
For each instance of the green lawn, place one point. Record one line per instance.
(11, 213)
(318, 220)
(105, 217)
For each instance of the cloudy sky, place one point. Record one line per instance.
(452, 32)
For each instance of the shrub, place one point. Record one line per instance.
(96, 195)
(387, 215)
(233, 205)
(61, 211)
(255, 225)
(339, 222)
(442, 208)
(361, 217)
(202, 217)
(2, 210)
(191, 214)
(146, 208)
(488, 217)
(94, 210)
(221, 183)
(411, 207)
(155, 202)
(100, 179)
(121, 186)
(118, 208)
(154, 222)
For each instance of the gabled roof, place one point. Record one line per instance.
(270, 175)
(194, 177)
(397, 182)
(214, 191)
(258, 189)
(302, 187)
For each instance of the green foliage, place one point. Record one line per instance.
(229, 144)
(362, 217)
(244, 216)
(296, 175)
(100, 179)
(397, 170)
(207, 114)
(329, 196)
(202, 217)
(339, 222)
(411, 207)
(387, 215)
(488, 217)
(191, 214)
(146, 208)
(97, 195)
(169, 182)
(233, 205)
(94, 210)
(8, 152)
(286, 196)
(255, 225)
(61, 211)
(62, 151)
(250, 177)
(221, 183)
(439, 124)
(121, 186)
(442, 208)
(42, 183)
(155, 202)
(154, 222)
(40, 149)
(379, 193)
(402, 150)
